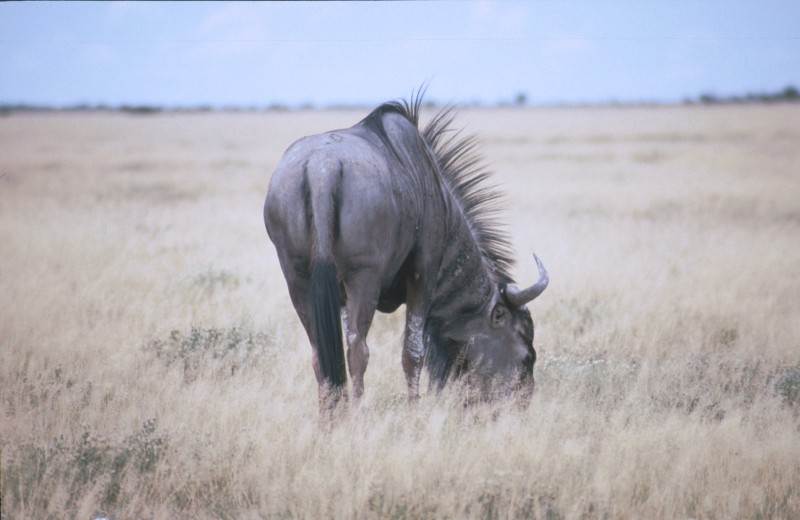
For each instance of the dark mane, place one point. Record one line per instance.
(465, 174)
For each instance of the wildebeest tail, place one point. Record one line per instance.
(327, 323)
(321, 184)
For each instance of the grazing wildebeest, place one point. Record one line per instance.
(382, 214)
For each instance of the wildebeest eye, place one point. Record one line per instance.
(499, 315)
(526, 330)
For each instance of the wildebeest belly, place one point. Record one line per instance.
(393, 295)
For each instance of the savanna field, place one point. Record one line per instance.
(152, 366)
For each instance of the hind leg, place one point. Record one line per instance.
(362, 300)
(328, 397)
(297, 279)
(298, 292)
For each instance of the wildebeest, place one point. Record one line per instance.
(380, 214)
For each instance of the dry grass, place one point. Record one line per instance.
(151, 365)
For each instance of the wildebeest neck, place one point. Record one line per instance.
(463, 285)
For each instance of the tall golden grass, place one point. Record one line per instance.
(151, 364)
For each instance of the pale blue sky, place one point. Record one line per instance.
(556, 51)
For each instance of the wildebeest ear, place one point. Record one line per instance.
(500, 315)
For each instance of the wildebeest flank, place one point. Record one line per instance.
(380, 214)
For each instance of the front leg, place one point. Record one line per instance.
(413, 352)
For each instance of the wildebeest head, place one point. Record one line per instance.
(495, 345)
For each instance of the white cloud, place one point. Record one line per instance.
(490, 19)
(98, 54)
(232, 29)
(572, 45)
(118, 12)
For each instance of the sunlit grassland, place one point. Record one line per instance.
(151, 364)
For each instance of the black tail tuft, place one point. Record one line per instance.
(327, 323)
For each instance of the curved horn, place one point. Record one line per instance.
(519, 297)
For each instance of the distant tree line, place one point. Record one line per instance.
(8, 108)
(789, 94)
